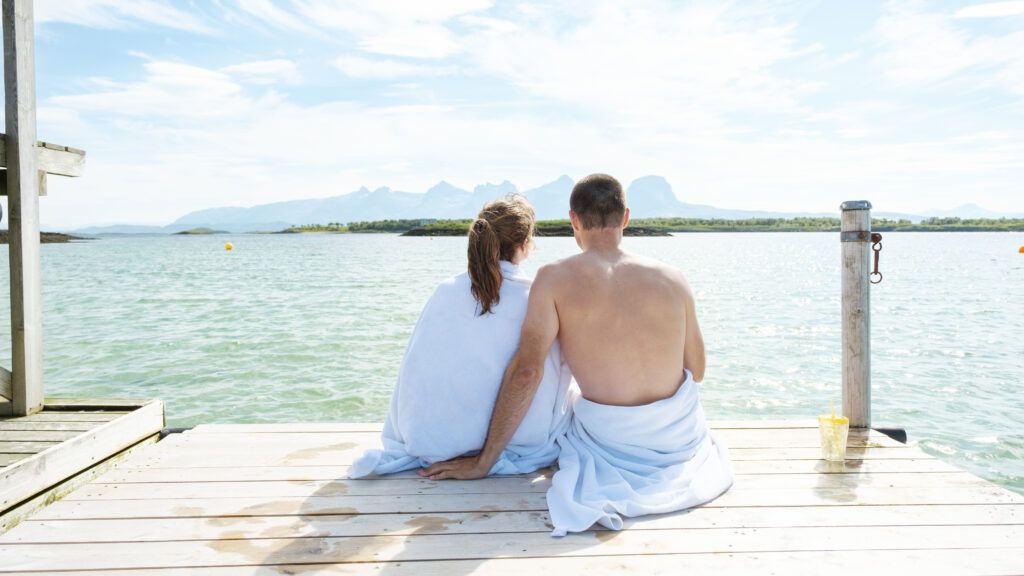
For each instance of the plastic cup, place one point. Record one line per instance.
(834, 431)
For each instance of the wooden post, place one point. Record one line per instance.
(855, 238)
(23, 208)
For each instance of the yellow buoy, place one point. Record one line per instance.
(228, 246)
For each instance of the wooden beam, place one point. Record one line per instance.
(3, 182)
(6, 388)
(23, 205)
(53, 159)
(28, 476)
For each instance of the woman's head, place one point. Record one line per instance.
(502, 229)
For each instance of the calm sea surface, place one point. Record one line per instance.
(312, 327)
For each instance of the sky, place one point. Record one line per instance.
(770, 105)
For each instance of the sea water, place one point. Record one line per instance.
(289, 328)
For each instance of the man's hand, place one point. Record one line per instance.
(462, 468)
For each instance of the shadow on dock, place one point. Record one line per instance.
(314, 539)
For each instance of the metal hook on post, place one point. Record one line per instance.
(876, 245)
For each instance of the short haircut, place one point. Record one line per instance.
(599, 202)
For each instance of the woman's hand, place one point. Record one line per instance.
(461, 468)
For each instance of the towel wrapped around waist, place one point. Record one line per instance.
(620, 461)
(449, 379)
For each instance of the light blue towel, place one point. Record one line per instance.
(449, 380)
(633, 460)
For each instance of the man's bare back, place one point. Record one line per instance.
(626, 325)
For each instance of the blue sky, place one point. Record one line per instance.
(780, 105)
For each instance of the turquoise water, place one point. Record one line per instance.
(312, 327)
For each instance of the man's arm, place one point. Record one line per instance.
(693, 348)
(518, 386)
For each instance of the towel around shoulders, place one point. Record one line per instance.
(449, 379)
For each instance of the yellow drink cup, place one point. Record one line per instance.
(834, 431)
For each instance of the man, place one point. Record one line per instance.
(627, 325)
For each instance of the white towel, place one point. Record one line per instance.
(634, 460)
(449, 380)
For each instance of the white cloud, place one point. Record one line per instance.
(992, 10)
(408, 28)
(679, 66)
(268, 12)
(265, 72)
(170, 90)
(358, 67)
(491, 24)
(118, 14)
(921, 47)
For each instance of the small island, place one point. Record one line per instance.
(200, 231)
(49, 238)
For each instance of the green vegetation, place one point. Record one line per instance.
(748, 225)
(335, 227)
(827, 225)
(447, 225)
(967, 225)
(196, 231)
(392, 226)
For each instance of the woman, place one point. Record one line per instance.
(457, 355)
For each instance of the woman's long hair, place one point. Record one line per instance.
(498, 231)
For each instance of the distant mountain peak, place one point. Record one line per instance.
(445, 189)
(502, 189)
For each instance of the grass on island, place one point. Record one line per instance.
(200, 231)
(688, 225)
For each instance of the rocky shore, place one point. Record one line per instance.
(48, 238)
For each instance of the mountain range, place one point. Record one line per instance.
(648, 197)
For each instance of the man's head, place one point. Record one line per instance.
(598, 202)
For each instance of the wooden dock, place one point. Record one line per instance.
(274, 499)
(71, 441)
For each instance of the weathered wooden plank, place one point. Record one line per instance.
(21, 160)
(53, 159)
(36, 435)
(345, 449)
(36, 531)
(6, 386)
(125, 474)
(55, 404)
(434, 503)
(27, 477)
(8, 459)
(797, 563)
(91, 416)
(852, 453)
(12, 517)
(25, 446)
(503, 545)
(6, 425)
(495, 484)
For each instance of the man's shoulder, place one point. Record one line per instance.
(652, 265)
